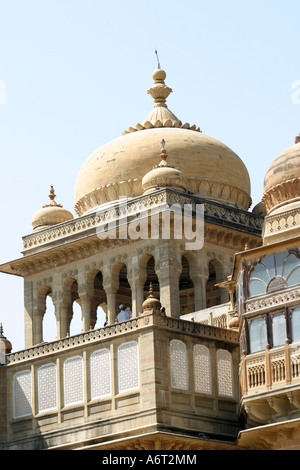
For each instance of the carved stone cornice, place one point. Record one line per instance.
(214, 212)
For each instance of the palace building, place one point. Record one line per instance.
(199, 347)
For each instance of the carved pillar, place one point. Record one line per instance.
(38, 314)
(199, 282)
(168, 268)
(85, 293)
(137, 277)
(111, 305)
(199, 276)
(28, 312)
(62, 307)
(86, 308)
(110, 285)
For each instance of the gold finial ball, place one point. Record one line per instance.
(159, 75)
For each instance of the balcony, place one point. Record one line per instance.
(270, 383)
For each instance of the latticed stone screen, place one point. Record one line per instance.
(73, 380)
(225, 373)
(202, 369)
(22, 394)
(128, 366)
(179, 365)
(47, 387)
(100, 374)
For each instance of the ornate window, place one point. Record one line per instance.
(179, 365)
(22, 394)
(47, 387)
(295, 324)
(128, 366)
(100, 374)
(257, 334)
(225, 373)
(73, 380)
(202, 369)
(275, 272)
(279, 333)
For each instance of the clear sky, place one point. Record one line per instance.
(75, 73)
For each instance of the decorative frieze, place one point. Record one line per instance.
(273, 300)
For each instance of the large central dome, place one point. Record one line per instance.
(212, 170)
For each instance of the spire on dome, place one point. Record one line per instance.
(163, 156)
(160, 115)
(52, 197)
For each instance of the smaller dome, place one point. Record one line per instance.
(259, 209)
(50, 214)
(282, 180)
(163, 175)
(5, 346)
(234, 322)
(151, 304)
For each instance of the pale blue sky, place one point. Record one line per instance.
(76, 73)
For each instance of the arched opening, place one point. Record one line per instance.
(123, 295)
(99, 303)
(74, 317)
(186, 289)
(49, 321)
(151, 278)
(213, 296)
(47, 312)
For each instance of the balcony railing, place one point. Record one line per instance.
(269, 369)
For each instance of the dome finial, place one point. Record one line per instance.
(159, 91)
(297, 139)
(163, 155)
(52, 196)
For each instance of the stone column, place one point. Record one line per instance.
(199, 276)
(137, 277)
(110, 285)
(168, 269)
(112, 310)
(28, 312)
(38, 314)
(62, 307)
(199, 282)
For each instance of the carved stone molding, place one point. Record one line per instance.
(273, 300)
